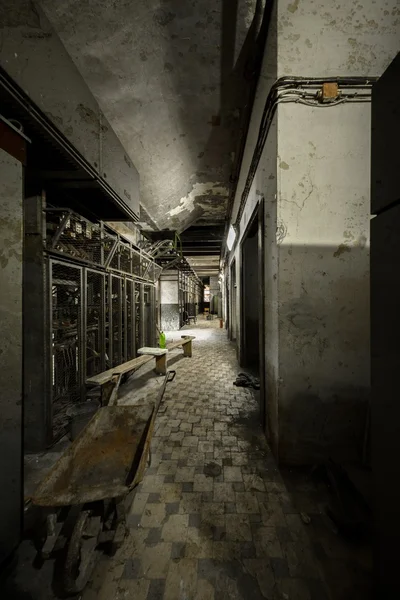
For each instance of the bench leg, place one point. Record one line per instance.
(187, 349)
(161, 364)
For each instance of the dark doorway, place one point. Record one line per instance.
(250, 291)
(233, 300)
(251, 352)
(385, 325)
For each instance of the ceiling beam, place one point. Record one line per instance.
(202, 238)
(212, 249)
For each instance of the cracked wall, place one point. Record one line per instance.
(317, 227)
(169, 301)
(323, 309)
(323, 208)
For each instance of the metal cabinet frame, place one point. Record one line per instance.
(40, 259)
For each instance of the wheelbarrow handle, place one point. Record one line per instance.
(170, 376)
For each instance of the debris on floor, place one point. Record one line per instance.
(246, 380)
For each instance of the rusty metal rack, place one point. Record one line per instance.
(72, 236)
(90, 299)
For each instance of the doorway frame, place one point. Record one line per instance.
(257, 215)
(232, 291)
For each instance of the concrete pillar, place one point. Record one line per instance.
(11, 182)
(323, 281)
(169, 301)
(323, 175)
(313, 178)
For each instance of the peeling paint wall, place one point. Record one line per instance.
(169, 77)
(320, 37)
(169, 301)
(10, 352)
(314, 177)
(323, 228)
(323, 240)
(263, 189)
(206, 200)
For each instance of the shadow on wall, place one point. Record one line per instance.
(317, 399)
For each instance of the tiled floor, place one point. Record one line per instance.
(211, 519)
(214, 519)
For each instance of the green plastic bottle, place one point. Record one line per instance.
(162, 340)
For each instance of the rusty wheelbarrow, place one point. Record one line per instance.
(85, 496)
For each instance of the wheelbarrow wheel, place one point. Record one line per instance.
(81, 553)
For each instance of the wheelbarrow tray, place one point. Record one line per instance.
(106, 460)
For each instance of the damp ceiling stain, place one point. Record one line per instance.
(155, 69)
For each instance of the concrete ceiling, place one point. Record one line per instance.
(169, 75)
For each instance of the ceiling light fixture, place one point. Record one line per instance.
(230, 240)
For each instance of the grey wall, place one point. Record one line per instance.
(263, 189)
(323, 228)
(250, 299)
(10, 352)
(323, 283)
(313, 177)
(33, 55)
(320, 37)
(169, 301)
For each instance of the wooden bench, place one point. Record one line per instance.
(185, 343)
(160, 354)
(110, 380)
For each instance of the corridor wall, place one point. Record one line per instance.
(313, 177)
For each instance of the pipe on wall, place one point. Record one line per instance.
(301, 90)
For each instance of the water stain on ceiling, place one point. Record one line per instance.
(169, 76)
(161, 73)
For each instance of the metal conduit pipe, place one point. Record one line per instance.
(301, 90)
